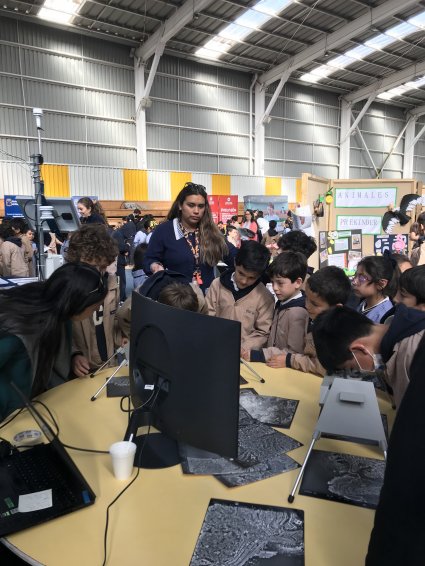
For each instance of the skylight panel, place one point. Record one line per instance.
(417, 83)
(418, 20)
(310, 78)
(379, 41)
(322, 71)
(341, 61)
(236, 32)
(252, 19)
(385, 95)
(60, 11)
(219, 44)
(401, 30)
(359, 52)
(207, 53)
(271, 7)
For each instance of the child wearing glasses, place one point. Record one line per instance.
(374, 282)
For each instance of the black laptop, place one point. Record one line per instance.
(39, 483)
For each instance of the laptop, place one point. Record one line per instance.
(39, 483)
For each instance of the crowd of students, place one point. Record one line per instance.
(291, 316)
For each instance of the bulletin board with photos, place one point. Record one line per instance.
(342, 248)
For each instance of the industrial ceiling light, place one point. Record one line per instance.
(59, 11)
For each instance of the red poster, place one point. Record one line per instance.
(228, 207)
(213, 202)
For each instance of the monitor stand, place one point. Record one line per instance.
(154, 450)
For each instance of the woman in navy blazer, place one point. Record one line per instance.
(188, 242)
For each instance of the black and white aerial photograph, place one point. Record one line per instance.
(245, 534)
(344, 478)
(274, 411)
(262, 454)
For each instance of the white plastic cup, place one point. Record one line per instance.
(122, 458)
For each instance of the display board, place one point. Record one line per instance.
(223, 207)
(393, 243)
(342, 248)
(11, 207)
(273, 207)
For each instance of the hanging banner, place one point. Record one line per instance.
(367, 224)
(340, 248)
(213, 202)
(227, 207)
(365, 197)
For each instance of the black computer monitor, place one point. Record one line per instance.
(185, 366)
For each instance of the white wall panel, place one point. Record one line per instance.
(15, 179)
(167, 113)
(203, 179)
(10, 90)
(51, 66)
(161, 137)
(109, 132)
(67, 153)
(9, 59)
(112, 157)
(204, 142)
(12, 121)
(104, 182)
(54, 97)
(163, 160)
(205, 118)
(159, 186)
(233, 166)
(245, 186)
(49, 38)
(108, 78)
(109, 105)
(198, 162)
(17, 147)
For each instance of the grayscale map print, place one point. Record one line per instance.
(344, 478)
(244, 534)
(273, 411)
(262, 454)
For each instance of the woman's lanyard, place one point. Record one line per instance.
(195, 251)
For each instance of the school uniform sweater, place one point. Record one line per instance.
(252, 307)
(288, 329)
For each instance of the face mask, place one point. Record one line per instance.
(378, 364)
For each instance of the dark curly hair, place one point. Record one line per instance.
(92, 244)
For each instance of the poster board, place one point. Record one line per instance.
(223, 207)
(391, 243)
(342, 248)
(273, 207)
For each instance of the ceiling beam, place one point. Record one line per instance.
(387, 83)
(337, 38)
(173, 25)
(418, 111)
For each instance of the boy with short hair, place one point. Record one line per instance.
(238, 294)
(290, 319)
(324, 289)
(179, 296)
(412, 288)
(346, 339)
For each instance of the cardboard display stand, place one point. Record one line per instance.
(342, 248)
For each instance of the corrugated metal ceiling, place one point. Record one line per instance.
(297, 27)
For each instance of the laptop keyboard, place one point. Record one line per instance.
(37, 470)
